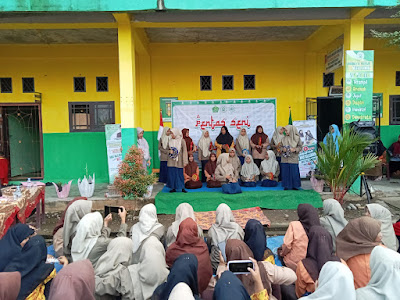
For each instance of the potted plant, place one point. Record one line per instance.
(62, 190)
(86, 185)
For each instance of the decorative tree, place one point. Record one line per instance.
(132, 179)
(392, 37)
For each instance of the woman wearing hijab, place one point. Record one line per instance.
(259, 143)
(269, 170)
(249, 173)
(396, 227)
(230, 287)
(36, 275)
(224, 141)
(333, 219)
(295, 242)
(183, 211)
(10, 283)
(225, 228)
(385, 276)
(225, 172)
(276, 143)
(192, 174)
(205, 146)
(177, 160)
(163, 148)
(256, 239)
(354, 245)
(334, 134)
(235, 161)
(74, 281)
(291, 147)
(188, 241)
(190, 146)
(319, 251)
(144, 146)
(335, 282)
(382, 214)
(394, 151)
(209, 172)
(13, 242)
(242, 145)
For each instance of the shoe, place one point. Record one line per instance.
(172, 191)
(184, 191)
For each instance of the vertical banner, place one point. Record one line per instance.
(308, 135)
(358, 86)
(166, 108)
(114, 149)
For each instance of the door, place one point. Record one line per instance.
(330, 111)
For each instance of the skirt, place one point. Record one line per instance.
(213, 184)
(258, 162)
(191, 185)
(290, 176)
(241, 158)
(175, 178)
(279, 159)
(231, 188)
(269, 183)
(163, 172)
(203, 167)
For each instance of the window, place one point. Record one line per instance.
(6, 85)
(102, 84)
(328, 80)
(90, 116)
(249, 82)
(394, 110)
(79, 84)
(227, 82)
(397, 78)
(205, 83)
(28, 85)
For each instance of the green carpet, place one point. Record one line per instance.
(166, 203)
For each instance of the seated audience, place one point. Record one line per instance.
(269, 170)
(396, 227)
(394, 152)
(10, 284)
(249, 173)
(192, 174)
(225, 172)
(256, 239)
(209, 172)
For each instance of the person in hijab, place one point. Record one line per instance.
(144, 147)
(269, 170)
(235, 161)
(276, 143)
(354, 245)
(75, 212)
(188, 241)
(10, 284)
(396, 227)
(36, 275)
(334, 134)
(13, 242)
(209, 172)
(295, 242)
(291, 147)
(333, 219)
(394, 152)
(192, 174)
(74, 281)
(242, 145)
(385, 276)
(256, 239)
(58, 230)
(259, 143)
(163, 148)
(177, 160)
(205, 146)
(225, 172)
(319, 251)
(382, 214)
(148, 225)
(183, 211)
(249, 173)
(335, 282)
(224, 141)
(230, 287)
(190, 146)
(223, 229)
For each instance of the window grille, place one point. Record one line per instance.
(394, 111)
(6, 85)
(102, 84)
(397, 78)
(249, 82)
(90, 116)
(28, 85)
(79, 84)
(227, 82)
(328, 79)
(205, 83)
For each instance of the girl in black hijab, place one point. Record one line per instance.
(224, 141)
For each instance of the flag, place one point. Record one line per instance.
(290, 116)
(160, 130)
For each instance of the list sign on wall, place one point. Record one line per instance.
(358, 86)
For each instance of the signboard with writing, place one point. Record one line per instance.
(334, 60)
(234, 114)
(358, 86)
(114, 149)
(308, 135)
(166, 109)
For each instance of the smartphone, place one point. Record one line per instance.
(240, 266)
(111, 209)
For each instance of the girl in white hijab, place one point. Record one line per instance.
(225, 172)
(144, 146)
(276, 140)
(163, 148)
(249, 173)
(335, 282)
(242, 145)
(183, 211)
(269, 168)
(380, 213)
(177, 160)
(385, 276)
(204, 148)
(234, 159)
(333, 220)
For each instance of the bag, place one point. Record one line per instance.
(269, 183)
(231, 188)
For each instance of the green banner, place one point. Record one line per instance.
(358, 86)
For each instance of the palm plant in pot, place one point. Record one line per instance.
(341, 161)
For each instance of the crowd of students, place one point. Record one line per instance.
(180, 263)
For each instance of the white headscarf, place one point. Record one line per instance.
(148, 222)
(270, 165)
(380, 213)
(293, 138)
(143, 145)
(183, 211)
(334, 214)
(225, 226)
(177, 141)
(277, 137)
(224, 162)
(181, 291)
(87, 233)
(243, 140)
(165, 138)
(385, 276)
(249, 169)
(335, 281)
(204, 143)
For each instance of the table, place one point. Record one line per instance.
(19, 210)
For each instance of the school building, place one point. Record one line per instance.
(68, 67)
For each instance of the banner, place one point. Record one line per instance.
(234, 114)
(308, 135)
(334, 60)
(358, 86)
(114, 149)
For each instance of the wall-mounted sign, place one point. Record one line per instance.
(334, 60)
(166, 108)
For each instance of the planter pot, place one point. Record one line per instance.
(86, 186)
(149, 192)
(64, 190)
